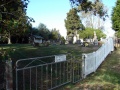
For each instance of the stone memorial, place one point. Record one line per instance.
(95, 39)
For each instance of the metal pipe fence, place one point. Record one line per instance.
(31, 74)
(43, 77)
(76, 69)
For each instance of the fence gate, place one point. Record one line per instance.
(76, 70)
(46, 73)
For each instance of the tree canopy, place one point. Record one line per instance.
(73, 22)
(46, 33)
(116, 17)
(13, 19)
(96, 6)
(55, 34)
(89, 33)
(13, 10)
(43, 31)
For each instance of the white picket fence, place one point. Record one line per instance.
(92, 61)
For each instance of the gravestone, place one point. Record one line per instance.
(66, 41)
(74, 39)
(95, 36)
(95, 39)
(96, 42)
(81, 41)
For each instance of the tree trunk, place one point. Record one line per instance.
(9, 38)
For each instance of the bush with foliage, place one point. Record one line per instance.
(88, 33)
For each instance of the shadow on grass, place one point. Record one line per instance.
(107, 77)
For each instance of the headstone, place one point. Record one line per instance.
(74, 39)
(78, 37)
(95, 39)
(87, 40)
(8, 75)
(81, 41)
(96, 42)
(66, 42)
(70, 38)
(95, 36)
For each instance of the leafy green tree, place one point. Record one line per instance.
(92, 12)
(73, 22)
(13, 19)
(62, 40)
(94, 6)
(75, 3)
(43, 31)
(117, 34)
(34, 31)
(116, 17)
(100, 34)
(55, 35)
(47, 34)
(89, 33)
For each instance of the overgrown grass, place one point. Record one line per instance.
(107, 77)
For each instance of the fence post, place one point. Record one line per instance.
(8, 75)
(83, 66)
(2, 75)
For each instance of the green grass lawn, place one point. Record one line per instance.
(107, 77)
(22, 51)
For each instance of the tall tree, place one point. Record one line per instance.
(96, 6)
(92, 10)
(73, 22)
(13, 19)
(116, 17)
(55, 34)
(43, 31)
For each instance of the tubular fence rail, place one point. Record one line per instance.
(50, 72)
(43, 77)
(39, 74)
(31, 74)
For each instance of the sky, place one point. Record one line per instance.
(108, 23)
(52, 13)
